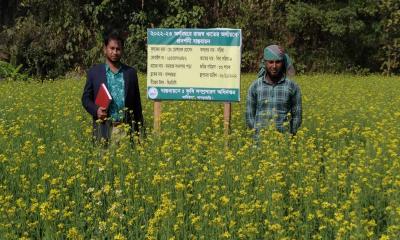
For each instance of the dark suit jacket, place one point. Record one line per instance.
(95, 77)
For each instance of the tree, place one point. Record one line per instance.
(390, 11)
(51, 37)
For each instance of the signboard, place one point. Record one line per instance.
(193, 64)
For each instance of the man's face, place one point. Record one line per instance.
(113, 50)
(274, 67)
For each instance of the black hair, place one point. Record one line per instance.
(115, 35)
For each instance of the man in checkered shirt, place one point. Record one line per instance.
(273, 98)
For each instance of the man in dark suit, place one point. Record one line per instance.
(122, 83)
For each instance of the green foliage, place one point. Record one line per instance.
(50, 43)
(8, 71)
(261, 23)
(51, 37)
(135, 44)
(390, 37)
(180, 14)
(334, 37)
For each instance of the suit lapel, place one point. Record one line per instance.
(103, 75)
(126, 81)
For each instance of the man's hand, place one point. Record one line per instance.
(101, 113)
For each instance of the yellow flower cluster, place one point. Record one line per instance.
(338, 178)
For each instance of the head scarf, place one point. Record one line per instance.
(276, 53)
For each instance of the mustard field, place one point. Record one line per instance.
(338, 178)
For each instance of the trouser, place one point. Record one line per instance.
(109, 133)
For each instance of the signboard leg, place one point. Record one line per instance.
(157, 117)
(227, 118)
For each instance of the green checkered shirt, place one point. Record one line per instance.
(268, 103)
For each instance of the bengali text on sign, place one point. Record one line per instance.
(194, 64)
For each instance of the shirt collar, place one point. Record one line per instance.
(108, 69)
(279, 82)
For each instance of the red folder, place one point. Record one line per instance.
(103, 97)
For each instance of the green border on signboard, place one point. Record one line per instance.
(188, 93)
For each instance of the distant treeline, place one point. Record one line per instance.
(51, 37)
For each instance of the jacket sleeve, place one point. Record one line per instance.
(137, 114)
(88, 96)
